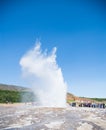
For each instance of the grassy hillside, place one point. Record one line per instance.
(9, 96)
(12, 88)
(12, 93)
(99, 99)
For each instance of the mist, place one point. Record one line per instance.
(45, 77)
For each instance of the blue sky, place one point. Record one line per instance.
(76, 27)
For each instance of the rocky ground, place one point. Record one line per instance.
(30, 117)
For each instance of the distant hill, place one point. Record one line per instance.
(13, 93)
(13, 88)
(5, 87)
(19, 88)
(70, 97)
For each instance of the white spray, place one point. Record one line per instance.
(45, 76)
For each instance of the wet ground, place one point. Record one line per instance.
(29, 117)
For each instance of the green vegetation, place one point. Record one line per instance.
(70, 101)
(27, 96)
(13, 94)
(99, 99)
(16, 96)
(95, 99)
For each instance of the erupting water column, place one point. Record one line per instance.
(45, 76)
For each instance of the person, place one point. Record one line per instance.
(103, 105)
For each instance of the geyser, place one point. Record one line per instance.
(45, 76)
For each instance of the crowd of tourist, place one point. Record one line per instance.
(93, 105)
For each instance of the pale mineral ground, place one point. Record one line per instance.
(32, 117)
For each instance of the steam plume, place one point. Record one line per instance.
(45, 76)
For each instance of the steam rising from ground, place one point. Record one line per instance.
(45, 76)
